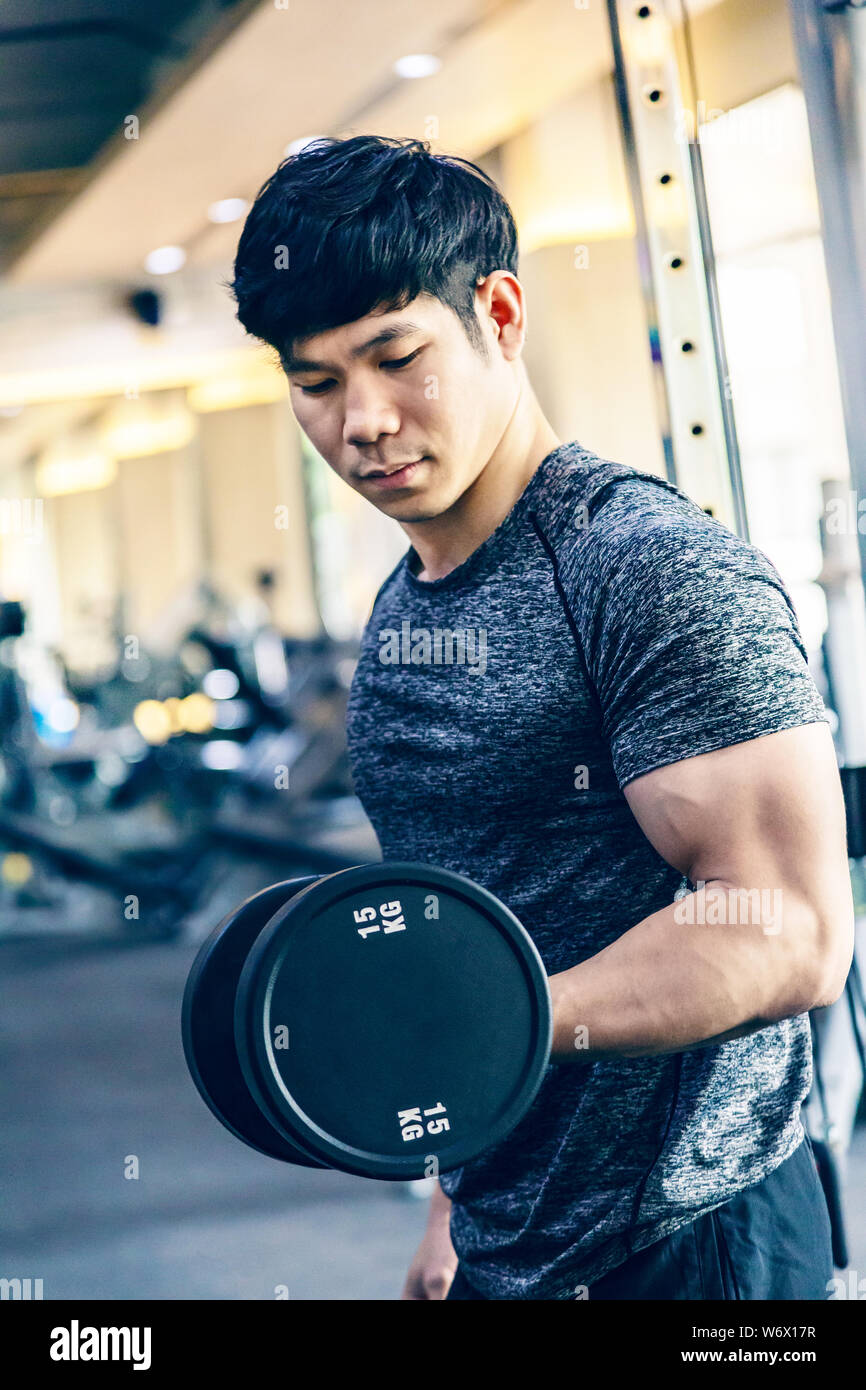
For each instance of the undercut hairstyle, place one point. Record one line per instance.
(349, 226)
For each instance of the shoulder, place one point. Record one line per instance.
(635, 522)
(627, 540)
(582, 495)
(597, 516)
(666, 542)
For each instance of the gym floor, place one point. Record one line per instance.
(94, 1074)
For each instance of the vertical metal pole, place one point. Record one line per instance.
(831, 49)
(645, 269)
(732, 443)
(676, 260)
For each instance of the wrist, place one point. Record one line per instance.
(570, 1037)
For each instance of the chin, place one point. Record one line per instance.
(411, 510)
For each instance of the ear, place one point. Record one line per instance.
(502, 300)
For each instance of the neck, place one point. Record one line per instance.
(446, 541)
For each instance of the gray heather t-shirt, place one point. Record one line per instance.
(607, 627)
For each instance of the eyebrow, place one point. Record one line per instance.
(387, 335)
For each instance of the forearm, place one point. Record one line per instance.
(668, 985)
(440, 1208)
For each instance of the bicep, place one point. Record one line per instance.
(767, 813)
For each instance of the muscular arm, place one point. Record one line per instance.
(762, 825)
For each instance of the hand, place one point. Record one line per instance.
(432, 1269)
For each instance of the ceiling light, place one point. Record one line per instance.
(58, 474)
(111, 376)
(141, 438)
(417, 65)
(227, 209)
(137, 429)
(164, 260)
(230, 393)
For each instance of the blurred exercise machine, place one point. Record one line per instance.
(176, 769)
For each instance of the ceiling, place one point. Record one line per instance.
(70, 72)
(526, 78)
(281, 75)
(276, 71)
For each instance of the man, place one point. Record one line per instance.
(598, 696)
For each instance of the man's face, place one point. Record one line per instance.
(394, 388)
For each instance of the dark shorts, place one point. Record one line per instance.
(769, 1241)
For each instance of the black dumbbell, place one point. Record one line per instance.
(390, 1020)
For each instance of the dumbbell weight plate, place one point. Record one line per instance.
(207, 1023)
(393, 1013)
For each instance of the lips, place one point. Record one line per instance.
(386, 472)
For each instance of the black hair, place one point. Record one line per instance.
(348, 226)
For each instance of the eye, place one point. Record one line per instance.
(400, 361)
(394, 363)
(318, 390)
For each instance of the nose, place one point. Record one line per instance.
(369, 413)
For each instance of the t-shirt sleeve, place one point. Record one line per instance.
(690, 638)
